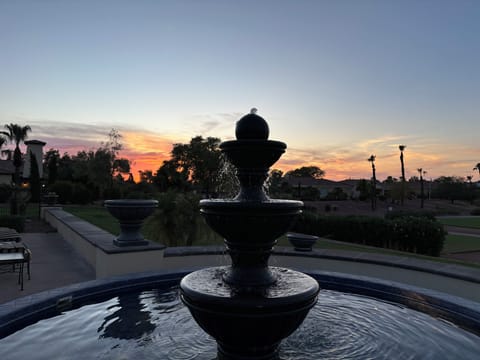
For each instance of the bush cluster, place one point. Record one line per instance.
(5, 192)
(71, 193)
(417, 234)
(475, 211)
(175, 221)
(410, 213)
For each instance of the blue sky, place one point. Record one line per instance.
(336, 80)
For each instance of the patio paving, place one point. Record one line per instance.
(54, 264)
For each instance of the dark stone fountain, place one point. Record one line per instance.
(249, 307)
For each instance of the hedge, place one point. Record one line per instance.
(406, 233)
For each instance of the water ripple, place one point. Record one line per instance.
(155, 325)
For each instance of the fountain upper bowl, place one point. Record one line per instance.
(252, 153)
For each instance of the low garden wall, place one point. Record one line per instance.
(96, 246)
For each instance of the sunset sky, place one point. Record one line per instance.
(336, 80)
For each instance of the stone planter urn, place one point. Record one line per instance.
(51, 198)
(302, 242)
(131, 215)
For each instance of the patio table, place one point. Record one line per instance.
(14, 258)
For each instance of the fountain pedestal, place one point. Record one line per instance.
(249, 307)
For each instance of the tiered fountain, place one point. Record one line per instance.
(249, 307)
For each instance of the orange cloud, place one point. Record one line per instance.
(146, 151)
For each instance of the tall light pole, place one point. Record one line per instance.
(402, 195)
(374, 183)
(422, 194)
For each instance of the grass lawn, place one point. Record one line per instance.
(100, 217)
(327, 244)
(459, 243)
(471, 222)
(97, 215)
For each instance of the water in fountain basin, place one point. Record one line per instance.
(155, 325)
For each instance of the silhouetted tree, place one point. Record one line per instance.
(363, 189)
(313, 172)
(200, 160)
(146, 176)
(275, 181)
(168, 176)
(51, 159)
(452, 188)
(16, 134)
(477, 168)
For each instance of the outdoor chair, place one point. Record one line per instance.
(16, 253)
(8, 234)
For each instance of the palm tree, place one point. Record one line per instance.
(16, 134)
(422, 195)
(477, 167)
(401, 148)
(374, 182)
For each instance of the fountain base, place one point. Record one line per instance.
(248, 323)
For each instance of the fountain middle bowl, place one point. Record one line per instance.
(250, 222)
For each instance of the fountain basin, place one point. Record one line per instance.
(173, 339)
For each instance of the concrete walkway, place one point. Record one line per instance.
(54, 264)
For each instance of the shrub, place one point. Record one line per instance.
(112, 193)
(137, 195)
(407, 233)
(81, 195)
(64, 190)
(16, 222)
(146, 190)
(418, 235)
(409, 213)
(175, 221)
(475, 211)
(5, 192)
(311, 223)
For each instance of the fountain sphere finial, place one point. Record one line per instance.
(252, 127)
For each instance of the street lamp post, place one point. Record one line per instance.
(402, 195)
(374, 183)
